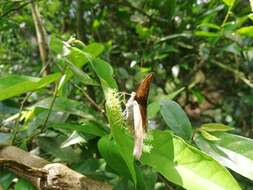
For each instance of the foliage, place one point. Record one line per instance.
(201, 54)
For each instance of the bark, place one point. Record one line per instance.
(44, 175)
(80, 23)
(41, 38)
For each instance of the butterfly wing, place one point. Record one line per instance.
(141, 97)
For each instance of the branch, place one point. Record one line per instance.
(240, 75)
(41, 37)
(44, 175)
(16, 9)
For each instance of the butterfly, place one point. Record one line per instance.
(136, 113)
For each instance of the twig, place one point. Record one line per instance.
(93, 103)
(17, 8)
(42, 129)
(240, 75)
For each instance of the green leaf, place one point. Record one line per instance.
(154, 107)
(110, 152)
(88, 128)
(176, 118)
(14, 85)
(64, 105)
(206, 34)
(73, 139)
(232, 151)
(229, 3)
(105, 72)
(251, 16)
(24, 185)
(84, 78)
(77, 56)
(52, 145)
(213, 127)
(208, 136)
(6, 178)
(185, 165)
(119, 130)
(246, 31)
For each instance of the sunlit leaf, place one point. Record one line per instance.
(229, 3)
(232, 151)
(212, 127)
(246, 31)
(208, 136)
(185, 165)
(14, 85)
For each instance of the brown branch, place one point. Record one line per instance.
(44, 175)
(41, 37)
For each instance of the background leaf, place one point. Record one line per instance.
(176, 118)
(14, 85)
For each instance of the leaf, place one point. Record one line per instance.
(208, 136)
(176, 118)
(77, 56)
(14, 85)
(251, 14)
(251, 5)
(119, 131)
(74, 138)
(88, 128)
(246, 31)
(154, 107)
(52, 146)
(84, 78)
(105, 72)
(229, 3)
(24, 185)
(214, 127)
(185, 165)
(232, 151)
(206, 34)
(6, 178)
(110, 152)
(64, 105)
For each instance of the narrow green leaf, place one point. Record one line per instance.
(206, 34)
(246, 31)
(14, 85)
(64, 105)
(52, 146)
(176, 118)
(88, 128)
(84, 78)
(213, 127)
(73, 139)
(251, 16)
(232, 151)
(208, 136)
(185, 165)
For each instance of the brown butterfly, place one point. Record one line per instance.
(137, 114)
(141, 97)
